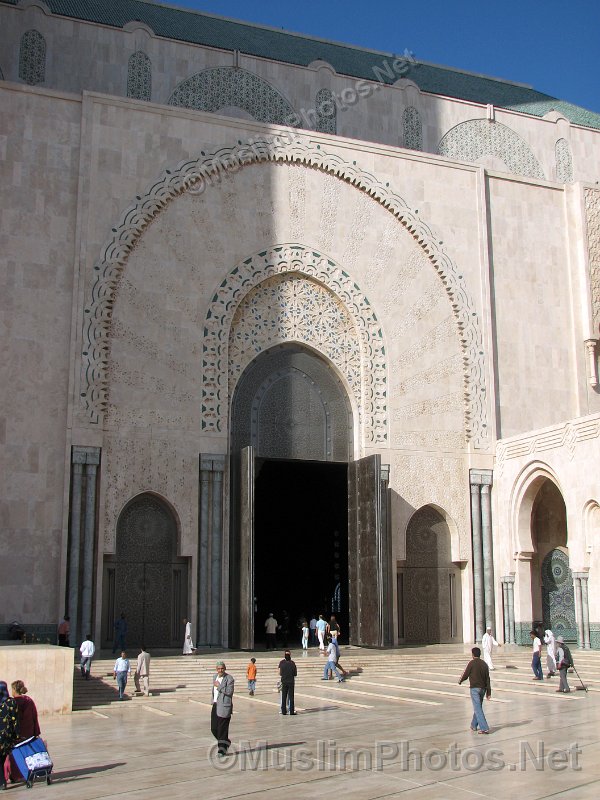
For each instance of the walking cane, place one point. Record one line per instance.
(583, 687)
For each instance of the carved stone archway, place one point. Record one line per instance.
(193, 175)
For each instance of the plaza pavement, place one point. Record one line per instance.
(348, 740)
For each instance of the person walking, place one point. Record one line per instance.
(122, 670)
(287, 672)
(313, 630)
(487, 645)
(305, 632)
(321, 628)
(536, 661)
(271, 632)
(564, 660)
(188, 644)
(550, 643)
(87, 651)
(120, 628)
(251, 676)
(222, 707)
(141, 676)
(332, 658)
(478, 673)
(9, 727)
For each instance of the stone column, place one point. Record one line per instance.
(210, 549)
(578, 607)
(89, 540)
(488, 555)
(505, 610)
(77, 461)
(478, 596)
(510, 588)
(580, 582)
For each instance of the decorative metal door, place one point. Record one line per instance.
(558, 595)
(368, 558)
(145, 579)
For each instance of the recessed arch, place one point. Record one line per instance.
(194, 176)
(525, 489)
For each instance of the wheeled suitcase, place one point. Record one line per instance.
(33, 761)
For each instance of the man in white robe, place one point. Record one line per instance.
(550, 653)
(188, 644)
(487, 644)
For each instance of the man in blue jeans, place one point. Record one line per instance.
(478, 673)
(536, 661)
(121, 672)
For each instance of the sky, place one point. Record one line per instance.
(553, 46)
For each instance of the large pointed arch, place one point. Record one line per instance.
(194, 175)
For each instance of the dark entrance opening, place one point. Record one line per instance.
(301, 543)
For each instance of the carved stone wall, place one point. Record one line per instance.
(441, 308)
(292, 308)
(592, 211)
(226, 87)
(471, 140)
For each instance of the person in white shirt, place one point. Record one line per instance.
(87, 651)
(122, 670)
(141, 675)
(332, 658)
(550, 653)
(536, 662)
(271, 632)
(188, 644)
(487, 645)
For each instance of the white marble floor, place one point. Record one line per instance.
(398, 727)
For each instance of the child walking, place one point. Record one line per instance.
(251, 675)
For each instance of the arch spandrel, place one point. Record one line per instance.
(194, 176)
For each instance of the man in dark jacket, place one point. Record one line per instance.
(478, 673)
(222, 706)
(287, 673)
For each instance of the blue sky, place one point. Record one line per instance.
(553, 46)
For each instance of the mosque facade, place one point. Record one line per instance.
(291, 326)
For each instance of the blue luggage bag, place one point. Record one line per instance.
(33, 761)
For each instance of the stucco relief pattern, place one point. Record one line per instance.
(132, 466)
(564, 161)
(592, 212)
(223, 87)
(191, 174)
(326, 111)
(139, 76)
(265, 324)
(413, 130)
(292, 308)
(32, 58)
(469, 141)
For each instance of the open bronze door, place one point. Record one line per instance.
(368, 554)
(246, 551)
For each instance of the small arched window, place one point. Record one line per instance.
(326, 111)
(32, 58)
(139, 76)
(413, 130)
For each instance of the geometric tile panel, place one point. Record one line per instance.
(469, 141)
(32, 58)
(292, 149)
(292, 293)
(224, 87)
(139, 76)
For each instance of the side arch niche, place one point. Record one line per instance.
(229, 88)
(428, 582)
(292, 293)
(477, 138)
(146, 579)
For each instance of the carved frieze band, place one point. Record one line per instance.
(242, 321)
(299, 150)
(565, 436)
(592, 212)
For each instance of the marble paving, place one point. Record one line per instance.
(397, 728)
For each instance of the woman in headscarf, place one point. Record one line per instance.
(550, 653)
(9, 727)
(27, 717)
